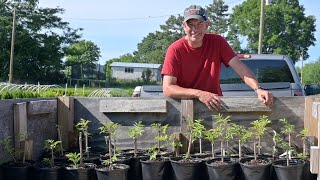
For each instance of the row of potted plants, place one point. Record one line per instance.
(162, 161)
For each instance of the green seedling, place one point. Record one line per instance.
(212, 135)
(110, 131)
(198, 131)
(223, 124)
(303, 135)
(74, 158)
(82, 127)
(175, 143)
(51, 145)
(259, 128)
(110, 162)
(243, 136)
(287, 129)
(135, 132)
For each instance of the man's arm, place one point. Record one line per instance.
(248, 77)
(171, 89)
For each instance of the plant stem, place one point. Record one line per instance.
(304, 147)
(254, 150)
(240, 150)
(200, 142)
(80, 149)
(110, 149)
(212, 150)
(222, 151)
(189, 146)
(135, 147)
(86, 143)
(289, 146)
(159, 133)
(60, 139)
(259, 145)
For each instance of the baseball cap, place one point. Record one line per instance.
(195, 12)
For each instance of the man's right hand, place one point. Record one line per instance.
(211, 100)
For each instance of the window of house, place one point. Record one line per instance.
(128, 70)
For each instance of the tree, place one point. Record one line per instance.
(218, 16)
(311, 72)
(39, 48)
(291, 31)
(153, 48)
(146, 75)
(85, 54)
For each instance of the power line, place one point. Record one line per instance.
(136, 18)
(120, 19)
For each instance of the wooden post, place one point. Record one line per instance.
(315, 150)
(20, 131)
(66, 119)
(186, 113)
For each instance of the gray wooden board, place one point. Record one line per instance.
(42, 106)
(133, 105)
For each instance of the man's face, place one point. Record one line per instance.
(195, 29)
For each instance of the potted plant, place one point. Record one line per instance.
(257, 168)
(304, 155)
(185, 167)
(222, 167)
(198, 133)
(79, 170)
(47, 170)
(17, 168)
(110, 170)
(157, 167)
(135, 172)
(288, 168)
(83, 126)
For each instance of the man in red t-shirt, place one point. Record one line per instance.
(193, 63)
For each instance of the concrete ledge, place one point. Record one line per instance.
(42, 106)
(133, 105)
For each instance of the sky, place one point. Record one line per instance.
(117, 27)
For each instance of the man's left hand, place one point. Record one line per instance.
(265, 96)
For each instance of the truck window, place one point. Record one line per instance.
(266, 71)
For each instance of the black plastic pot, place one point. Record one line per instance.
(156, 170)
(184, 170)
(292, 172)
(225, 171)
(54, 173)
(256, 172)
(306, 171)
(120, 172)
(79, 173)
(18, 170)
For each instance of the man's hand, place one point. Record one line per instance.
(265, 96)
(212, 101)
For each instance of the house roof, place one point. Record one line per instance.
(143, 65)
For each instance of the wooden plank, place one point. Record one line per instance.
(186, 114)
(314, 159)
(20, 124)
(66, 119)
(28, 149)
(310, 122)
(316, 115)
(133, 105)
(42, 106)
(243, 104)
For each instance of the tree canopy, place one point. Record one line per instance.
(40, 43)
(286, 28)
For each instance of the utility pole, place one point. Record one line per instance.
(12, 46)
(301, 57)
(261, 27)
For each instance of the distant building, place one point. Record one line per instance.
(122, 70)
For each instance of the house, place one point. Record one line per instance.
(122, 70)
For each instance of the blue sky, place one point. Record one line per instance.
(118, 26)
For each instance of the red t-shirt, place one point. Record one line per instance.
(198, 68)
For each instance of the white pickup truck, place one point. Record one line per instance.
(275, 73)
